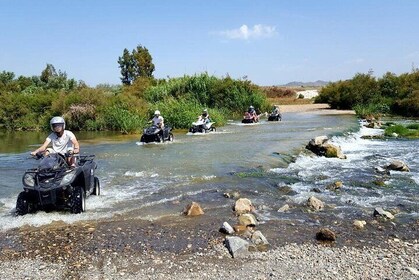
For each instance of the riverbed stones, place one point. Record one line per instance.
(247, 220)
(232, 194)
(243, 205)
(331, 151)
(227, 228)
(237, 246)
(334, 186)
(321, 147)
(286, 190)
(260, 240)
(284, 208)
(315, 203)
(193, 209)
(359, 224)
(398, 165)
(325, 234)
(380, 212)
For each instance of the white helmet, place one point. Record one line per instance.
(57, 120)
(157, 112)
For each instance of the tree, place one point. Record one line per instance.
(6, 77)
(138, 64)
(126, 64)
(48, 72)
(143, 66)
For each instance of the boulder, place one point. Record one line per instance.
(247, 220)
(359, 224)
(380, 212)
(243, 205)
(320, 140)
(286, 190)
(193, 209)
(325, 234)
(284, 208)
(236, 246)
(320, 147)
(240, 228)
(315, 203)
(398, 165)
(333, 151)
(226, 228)
(334, 186)
(260, 241)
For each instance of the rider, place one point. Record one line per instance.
(63, 141)
(205, 117)
(252, 113)
(275, 110)
(158, 120)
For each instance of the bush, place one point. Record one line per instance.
(180, 113)
(371, 110)
(402, 130)
(395, 94)
(120, 119)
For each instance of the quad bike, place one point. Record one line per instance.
(56, 185)
(249, 118)
(275, 117)
(156, 134)
(201, 126)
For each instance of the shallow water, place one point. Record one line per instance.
(155, 180)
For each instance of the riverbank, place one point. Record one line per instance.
(192, 248)
(320, 108)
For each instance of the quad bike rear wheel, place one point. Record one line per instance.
(96, 190)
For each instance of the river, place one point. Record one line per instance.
(158, 180)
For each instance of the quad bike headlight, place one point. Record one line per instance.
(29, 180)
(68, 178)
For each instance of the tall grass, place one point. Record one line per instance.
(411, 131)
(371, 110)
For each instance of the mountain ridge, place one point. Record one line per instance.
(317, 83)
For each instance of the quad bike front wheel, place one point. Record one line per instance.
(78, 201)
(170, 137)
(23, 205)
(96, 190)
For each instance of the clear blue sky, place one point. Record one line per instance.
(270, 42)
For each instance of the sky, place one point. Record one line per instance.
(268, 42)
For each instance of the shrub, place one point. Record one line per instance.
(402, 130)
(120, 119)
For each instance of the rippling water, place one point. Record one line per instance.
(155, 180)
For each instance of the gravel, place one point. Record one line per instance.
(398, 260)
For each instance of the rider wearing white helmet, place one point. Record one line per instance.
(63, 141)
(158, 120)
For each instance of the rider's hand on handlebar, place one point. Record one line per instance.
(37, 155)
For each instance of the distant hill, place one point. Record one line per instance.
(318, 83)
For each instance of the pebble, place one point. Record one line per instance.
(330, 263)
